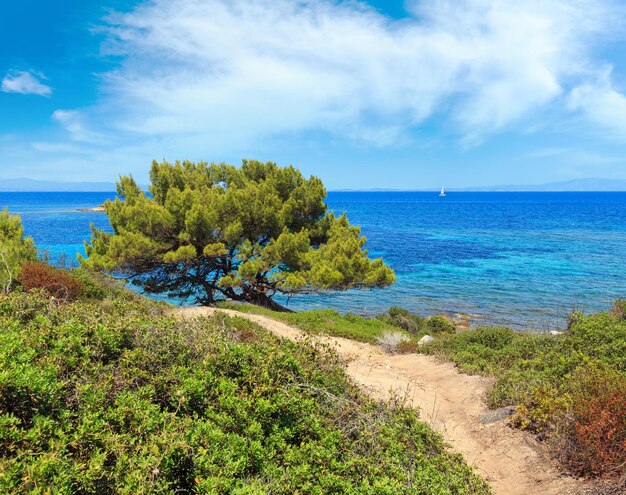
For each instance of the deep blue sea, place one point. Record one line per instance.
(519, 259)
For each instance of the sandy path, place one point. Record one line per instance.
(449, 401)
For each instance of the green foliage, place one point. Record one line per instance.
(95, 285)
(15, 249)
(110, 396)
(356, 327)
(602, 337)
(552, 382)
(415, 324)
(217, 231)
(404, 319)
(438, 325)
(619, 309)
(325, 321)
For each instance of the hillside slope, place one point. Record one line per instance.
(449, 401)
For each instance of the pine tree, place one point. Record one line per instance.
(211, 232)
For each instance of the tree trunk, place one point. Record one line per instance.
(265, 302)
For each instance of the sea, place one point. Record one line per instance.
(523, 260)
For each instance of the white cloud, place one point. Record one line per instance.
(229, 73)
(25, 83)
(602, 104)
(74, 122)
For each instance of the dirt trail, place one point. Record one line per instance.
(452, 403)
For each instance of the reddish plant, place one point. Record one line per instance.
(54, 282)
(595, 436)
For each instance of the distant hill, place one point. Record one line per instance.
(575, 185)
(600, 185)
(32, 185)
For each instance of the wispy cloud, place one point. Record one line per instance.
(26, 83)
(230, 73)
(577, 156)
(602, 104)
(74, 122)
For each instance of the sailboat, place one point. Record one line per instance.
(442, 194)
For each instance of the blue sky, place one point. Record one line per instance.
(378, 94)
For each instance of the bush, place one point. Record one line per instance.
(408, 346)
(619, 309)
(594, 436)
(601, 337)
(391, 341)
(99, 286)
(14, 249)
(542, 409)
(439, 324)
(569, 389)
(404, 319)
(415, 324)
(101, 397)
(54, 282)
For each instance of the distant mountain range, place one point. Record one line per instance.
(600, 185)
(33, 185)
(576, 185)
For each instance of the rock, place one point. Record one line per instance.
(425, 340)
(463, 321)
(97, 209)
(555, 332)
(497, 415)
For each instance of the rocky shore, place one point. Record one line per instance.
(97, 209)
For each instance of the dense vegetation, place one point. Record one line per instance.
(106, 394)
(14, 249)
(210, 232)
(570, 389)
(100, 392)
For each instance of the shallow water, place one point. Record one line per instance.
(519, 259)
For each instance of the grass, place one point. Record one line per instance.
(325, 321)
(351, 326)
(106, 395)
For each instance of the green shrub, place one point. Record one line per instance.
(109, 396)
(15, 249)
(619, 309)
(406, 320)
(415, 324)
(96, 285)
(438, 325)
(601, 336)
(569, 388)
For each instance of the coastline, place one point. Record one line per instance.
(95, 209)
(454, 256)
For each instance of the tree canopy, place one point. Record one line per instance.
(245, 233)
(15, 249)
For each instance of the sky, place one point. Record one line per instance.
(377, 94)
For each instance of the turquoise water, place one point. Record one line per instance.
(520, 259)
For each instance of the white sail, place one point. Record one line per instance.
(443, 192)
